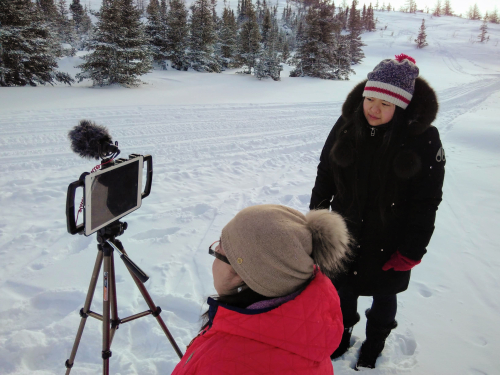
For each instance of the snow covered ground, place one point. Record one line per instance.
(221, 143)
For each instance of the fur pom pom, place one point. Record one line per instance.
(331, 241)
(407, 164)
(402, 57)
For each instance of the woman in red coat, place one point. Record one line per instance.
(277, 311)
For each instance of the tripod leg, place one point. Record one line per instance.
(115, 321)
(85, 310)
(106, 353)
(154, 309)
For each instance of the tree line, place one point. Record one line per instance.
(316, 37)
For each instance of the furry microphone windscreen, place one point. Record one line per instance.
(87, 138)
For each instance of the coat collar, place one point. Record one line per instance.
(310, 325)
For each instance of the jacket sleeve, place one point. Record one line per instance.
(425, 195)
(324, 187)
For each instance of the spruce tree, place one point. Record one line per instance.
(411, 6)
(447, 11)
(323, 52)
(228, 38)
(249, 37)
(355, 28)
(422, 36)
(120, 50)
(27, 45)
(177, 34)
(156, 31)
(474, 13)
(65, 28)
(269, 62)
(77, 13)
(86, 24)
(203, 38)
(370, 22)
(484, 31)
(437, 9)
(49, 10)
(494, 16)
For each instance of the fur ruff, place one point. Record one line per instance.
(420, 114)
(330, 239)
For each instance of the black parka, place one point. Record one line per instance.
(412, 190)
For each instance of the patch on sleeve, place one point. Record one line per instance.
(440, 156)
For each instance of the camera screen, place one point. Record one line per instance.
(112, 194)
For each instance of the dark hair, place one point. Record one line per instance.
(242, 300)
(396, 130)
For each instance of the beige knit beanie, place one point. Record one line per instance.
(274, 248)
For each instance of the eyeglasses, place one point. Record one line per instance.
(216, 254)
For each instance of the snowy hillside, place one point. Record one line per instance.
(222, 142)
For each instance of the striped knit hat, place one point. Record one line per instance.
(393, 80)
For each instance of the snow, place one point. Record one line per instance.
(222, 142)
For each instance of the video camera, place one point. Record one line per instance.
(113, 190)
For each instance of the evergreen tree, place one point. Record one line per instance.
(249, 37)
(437, 9)
(474, 13)
(494, 16)
(203, 38)
(86, 24)
(322, 51)
(422, 36)
(27, 45)
(369, 22)
(77, 13)
(177, 34)
(49, 10)
(447, 11)
(266, 26)
(411, 6)
(228, 38)
(156, 31)
(484, 31)
(285, 52)
(355, 28)
(269, 63)
(65, 27)
(120, 50)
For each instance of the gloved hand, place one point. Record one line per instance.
(400, 263)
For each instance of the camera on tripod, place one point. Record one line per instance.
(112, 190)
(109, 194)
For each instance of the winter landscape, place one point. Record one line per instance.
(222, 142)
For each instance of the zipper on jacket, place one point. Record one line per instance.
(373, 132)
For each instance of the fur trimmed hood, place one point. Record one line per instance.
(420, 113)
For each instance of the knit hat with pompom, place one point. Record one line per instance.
(274, 248)
(393, 80)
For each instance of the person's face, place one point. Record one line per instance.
(226, 280)
(377, 111)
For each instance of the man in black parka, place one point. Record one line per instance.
(386, 180)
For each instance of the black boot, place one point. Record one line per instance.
(374, 343)
(345, 343)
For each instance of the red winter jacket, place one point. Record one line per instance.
(296, 337)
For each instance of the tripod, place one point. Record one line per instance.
(106, 237)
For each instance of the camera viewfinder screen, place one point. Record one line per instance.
(113, 193)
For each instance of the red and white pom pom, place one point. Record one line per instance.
(402, 57)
